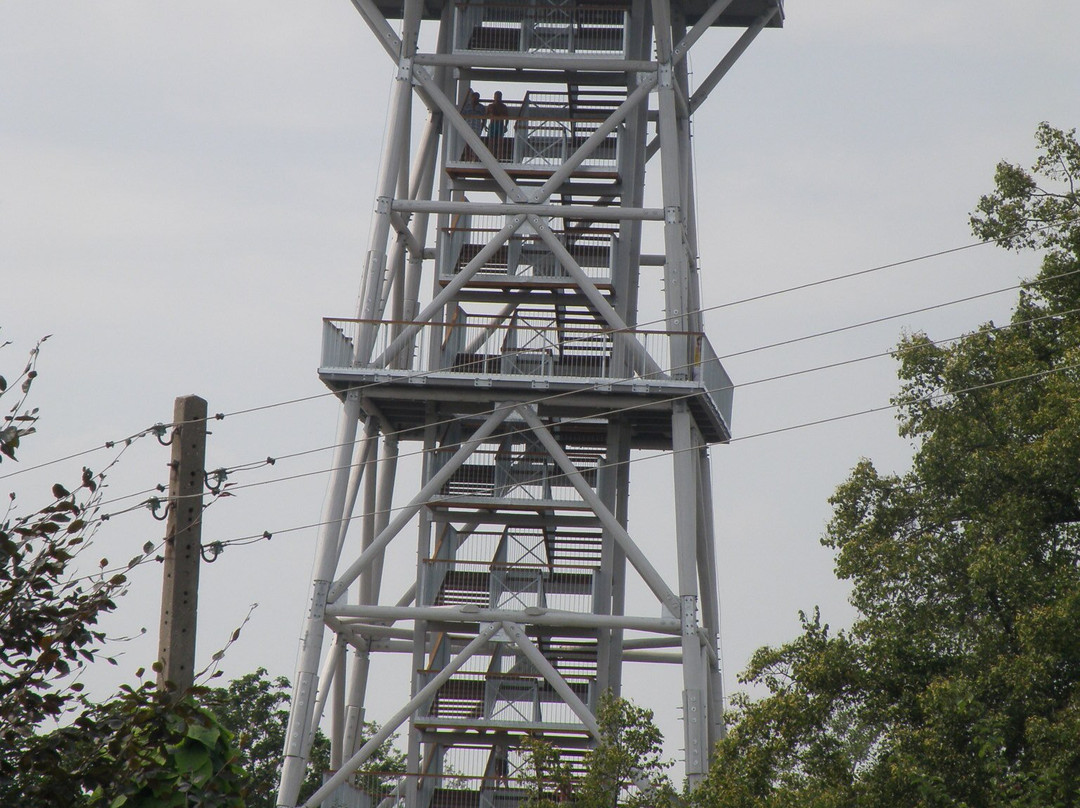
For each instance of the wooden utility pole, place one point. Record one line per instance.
(183, 545)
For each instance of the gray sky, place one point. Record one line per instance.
(185, 191)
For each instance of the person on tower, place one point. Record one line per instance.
(474, 114)
(499, 117)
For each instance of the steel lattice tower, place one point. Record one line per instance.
(524, 378)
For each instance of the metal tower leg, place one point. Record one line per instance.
(306, 681)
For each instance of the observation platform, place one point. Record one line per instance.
(739, 14)
(587, 375)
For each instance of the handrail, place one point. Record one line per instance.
(575, 6)
(602, 330)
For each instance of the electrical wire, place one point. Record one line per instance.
(217, 547)
(608, 413)
(109, 444)
(663, 320)
(622, 410)
(266, 535)
(148, 549)
(159, 428)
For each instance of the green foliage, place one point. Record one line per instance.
(48, 615)
(142, 748)
(252, 707)
(160, 752)
(629, 753)
(625, 769)
(255, 707)
(548, 782)
(1040, 208)
(959, 682)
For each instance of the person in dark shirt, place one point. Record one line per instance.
(498, 119)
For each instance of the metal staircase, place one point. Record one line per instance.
(523, 377)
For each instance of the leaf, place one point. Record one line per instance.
(208, 736)
(59, 492)
(193, 759)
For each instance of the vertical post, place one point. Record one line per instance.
(183, 545)
(684, 442)
(326, 559)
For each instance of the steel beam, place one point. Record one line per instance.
(390, 727)
(378, 545)
(305, 683)
(599, 214)
(634, 555)
(533, 617)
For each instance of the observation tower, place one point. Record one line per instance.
(513, 246)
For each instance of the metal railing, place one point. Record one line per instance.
(506, 587)
(542, 131)
(525, 257)
(519, 346)
(717, 383)
(487, 348)
(506, 698)
(541, 27)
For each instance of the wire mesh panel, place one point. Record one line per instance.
(541, 26)
(540, 131)
(525, 258)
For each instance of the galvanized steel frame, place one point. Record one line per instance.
(390, 290)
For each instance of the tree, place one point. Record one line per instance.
(141, 748)
(959, 682)
(254, 707)
(156, 751)
(48, 616)
(625, 769)
(547, 779)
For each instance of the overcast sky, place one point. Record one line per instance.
(185, 190)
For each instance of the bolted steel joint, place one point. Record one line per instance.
(689, 615)
(664, 76)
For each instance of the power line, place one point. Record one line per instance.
(226, 471)
(159, 428)
(109, 444)
(620, 410)
(253, 538)
(663, 320)
(878, 320)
